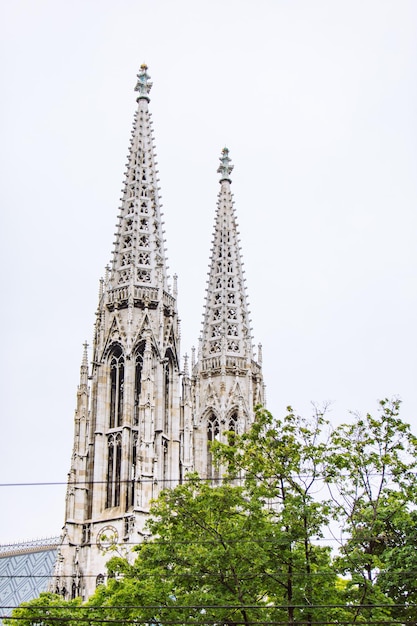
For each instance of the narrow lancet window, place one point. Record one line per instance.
(114, 463)
(117, 374)
(213, 431)
(233, 423)
(138, 383)
(166, 396)
(131, 500)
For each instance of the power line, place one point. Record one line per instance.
(294, 575)
(228, 480)
(203, 607)
(204, 621)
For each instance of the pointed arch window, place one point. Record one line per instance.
(213, 431)
(138, 382)
(117, 376)
(131, 496)
(165, 461)
(114, 463)
(233, 422)
(99, 580)
(167, 394)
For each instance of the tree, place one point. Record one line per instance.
(206, 562)
(281, 462)
(370, 471)
(49, 609)
(251, 550)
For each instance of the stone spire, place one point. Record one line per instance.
(139, 254)
(227, 382)
(128, 416)
(226, 328)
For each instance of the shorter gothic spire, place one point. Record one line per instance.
(226, 329)
(144, 84)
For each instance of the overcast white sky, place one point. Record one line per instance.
(316, 100)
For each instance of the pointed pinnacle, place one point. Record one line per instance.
(85, 356)
(144, 84)
(186, 371)
(226, 166)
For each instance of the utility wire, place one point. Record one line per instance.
(213, 479)
(205, 621)
(202, 607)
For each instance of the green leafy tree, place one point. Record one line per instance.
(206, 562)
(397, 575)
(47, 610)
(251, 549)
(371, 476)
(281, 464)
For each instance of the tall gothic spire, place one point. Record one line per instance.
(139, 254)
(127, 440)
(226, 328)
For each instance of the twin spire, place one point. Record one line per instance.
(226, 329)
(139, 262)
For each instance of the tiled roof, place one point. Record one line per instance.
(25, 571)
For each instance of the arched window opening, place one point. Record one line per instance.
(213, 431)
(99, 580)
(114, 463)
(74, 590)
(138, 383)
(117, 375)
(167, 395)
(232, 428)
(131, 500)
(165, 461)
(233, 423)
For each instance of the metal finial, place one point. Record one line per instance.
(226, 166)
(144, 84)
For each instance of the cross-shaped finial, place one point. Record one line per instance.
(143, 86)
(225, 168)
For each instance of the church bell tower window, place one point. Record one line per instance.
(117, 374)
(138, 383)
(213, 431)
(114, 462)
(167, 394)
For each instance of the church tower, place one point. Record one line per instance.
(126, 443)
(140, 423)
(227, 382)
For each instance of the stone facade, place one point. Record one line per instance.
(142, 423)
